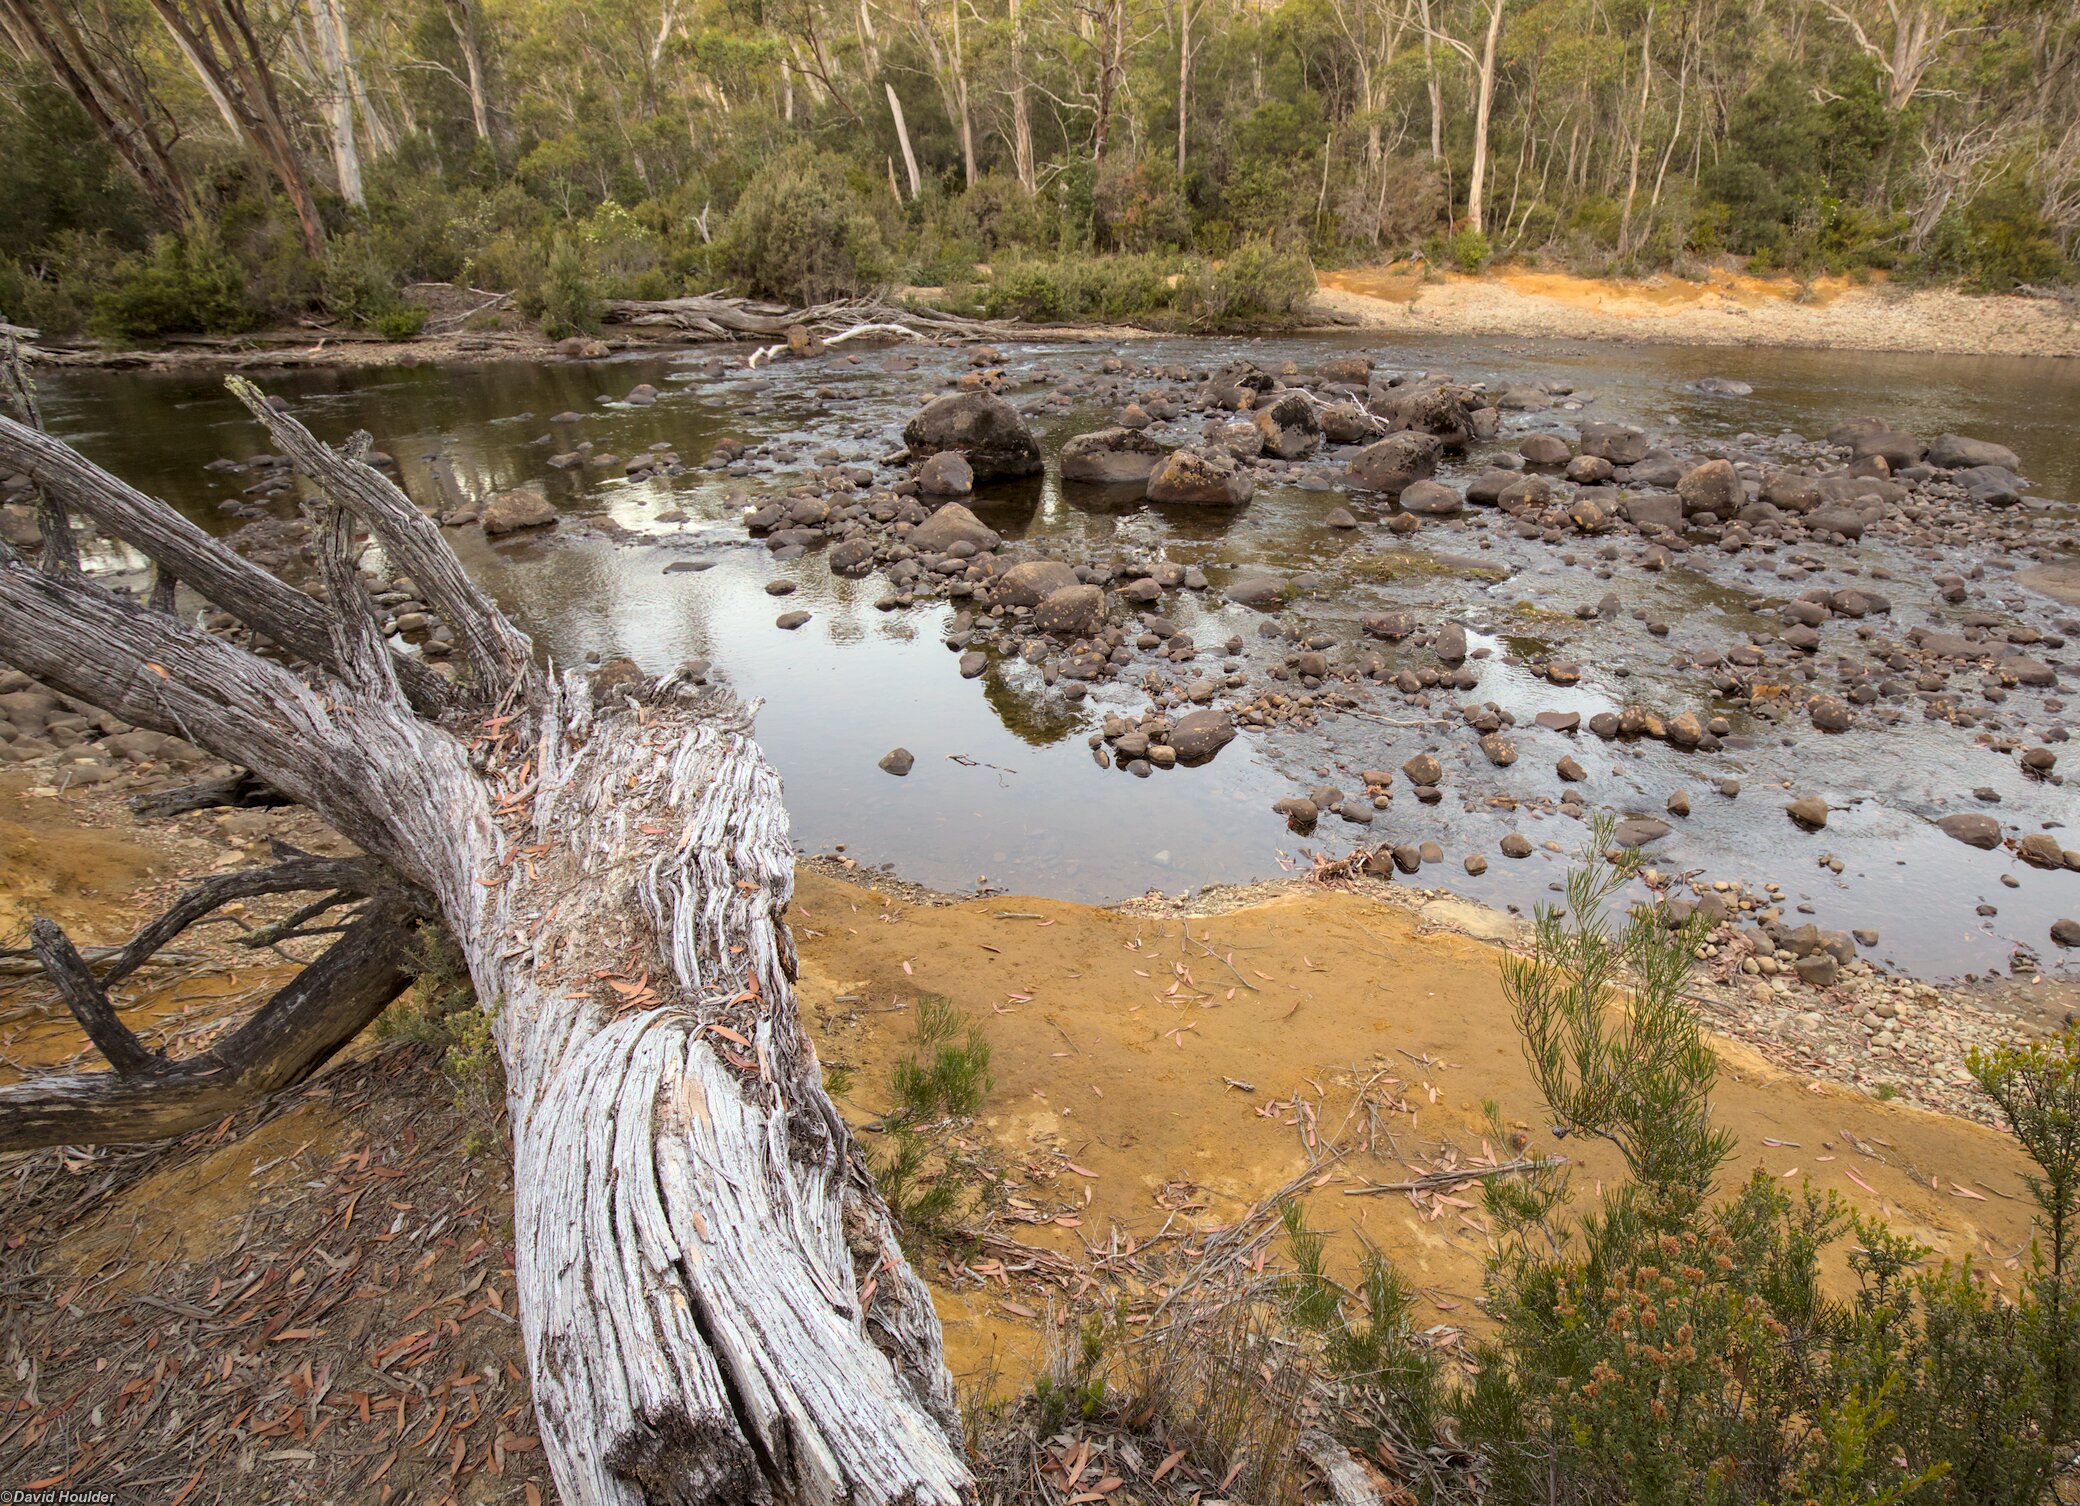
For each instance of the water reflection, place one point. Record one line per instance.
(1004, 785)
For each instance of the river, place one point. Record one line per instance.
(1005, 792)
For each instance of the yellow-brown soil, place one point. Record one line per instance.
(1106, 1055)
(1147, 1069)
(1725, 308)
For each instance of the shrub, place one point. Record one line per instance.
(186, 284)
(566, 299)
(949, 1073)
(1674, 1346)
(1468, 250)
(1258, 283)
(441, 1010)
(400, 323)
(803, 233)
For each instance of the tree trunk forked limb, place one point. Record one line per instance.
(715, 1305)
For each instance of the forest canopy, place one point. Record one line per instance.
(211, 165)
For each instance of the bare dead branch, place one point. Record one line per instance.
(291, 1036)
(75, 984)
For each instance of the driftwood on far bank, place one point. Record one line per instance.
(715, 316)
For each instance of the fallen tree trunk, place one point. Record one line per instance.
(714, 316)
(715, 1305)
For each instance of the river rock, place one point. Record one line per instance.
(1654, 510)
(2041, 850)
(1548, 451)
(1972, 829)
(1205, 478)
(1713, 487)
(1110, 457)
(1265, 592)
(897, 761)
(790, 620)
(1516, 845)
(2066, 932)
(1617, 443)
(1809, 811)
(983, 427)
(1638, 831)
(1893, 446)
(1830, 713)
(1289, 426)
(1423, 769)
(1347, 423)
(950, 525)
(1388, 466)
(1029, 582)
(1432, 498)
(973, 663)
(1198, 735)
(946, 474)
(1072, 612)
(1955, 452)
(521, 508)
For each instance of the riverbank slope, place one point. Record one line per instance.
(1827, 313)
(1152, 1072)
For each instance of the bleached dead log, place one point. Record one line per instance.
(715, 1305)
(713, 316)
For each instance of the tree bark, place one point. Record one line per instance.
(1483, 110)
(715, 1305)
(218, 42)
(462, 20)
(116, 98)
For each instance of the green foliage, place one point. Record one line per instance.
(1674, 1346)
(922, 1196)
(360, 288)
(441, 1010)
(185, 284)
(1611, 1043)
(949, 1072)
(1258, 284)
(1468, 250)
(802, 232)
(566, 297)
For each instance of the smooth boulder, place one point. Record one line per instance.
(983, 427)
(1111, 457)
(1204, 478)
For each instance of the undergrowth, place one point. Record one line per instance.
(1676, 1342)
(441, 1011)
(928, 1174)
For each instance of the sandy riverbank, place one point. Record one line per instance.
(1149, 1070)
(1725, 309)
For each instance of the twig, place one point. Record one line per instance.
(1443, 1181)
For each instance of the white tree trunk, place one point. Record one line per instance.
(715, 1305)
(1483, 110)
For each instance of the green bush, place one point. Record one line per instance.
(1677, 1346)
(1257, 284)
(400, 323)
(1468, 250)
(950, 1072)
(802, 232)
(186, 284)
(566, 298)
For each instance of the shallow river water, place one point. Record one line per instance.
(1005, 791)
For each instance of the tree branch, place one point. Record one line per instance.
(498, 654)
(271, 608)
(75, 984)
(291, 1036)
